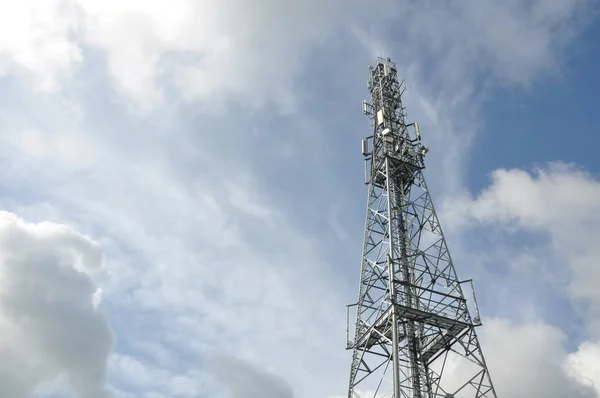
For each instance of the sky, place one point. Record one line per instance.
(182, 198)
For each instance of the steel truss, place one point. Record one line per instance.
(414, 336)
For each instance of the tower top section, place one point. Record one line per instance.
(392, 135)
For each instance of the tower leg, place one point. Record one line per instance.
(392, 289)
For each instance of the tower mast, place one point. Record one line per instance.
(414, 336)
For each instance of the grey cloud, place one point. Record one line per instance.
(247, 380)
(49, 325)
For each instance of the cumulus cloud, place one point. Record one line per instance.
(561, 201)
(54, 339)
(584, 365)
(526, 360)
(559, 204)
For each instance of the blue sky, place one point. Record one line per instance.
(553, 121)
(183, 189)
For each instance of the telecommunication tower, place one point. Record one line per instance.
(414, 336)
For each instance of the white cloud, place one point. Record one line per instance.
(525, 360)
(559, 200)
(68, 149)
(253, 52)
(210, 50)
(131, 372)
(35, 38)
(51, 333)
(584, 365)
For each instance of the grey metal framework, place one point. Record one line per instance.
(414, 335)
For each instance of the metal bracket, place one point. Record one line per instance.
(349, 344)
(477, 318)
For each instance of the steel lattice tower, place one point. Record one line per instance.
(414, 336)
